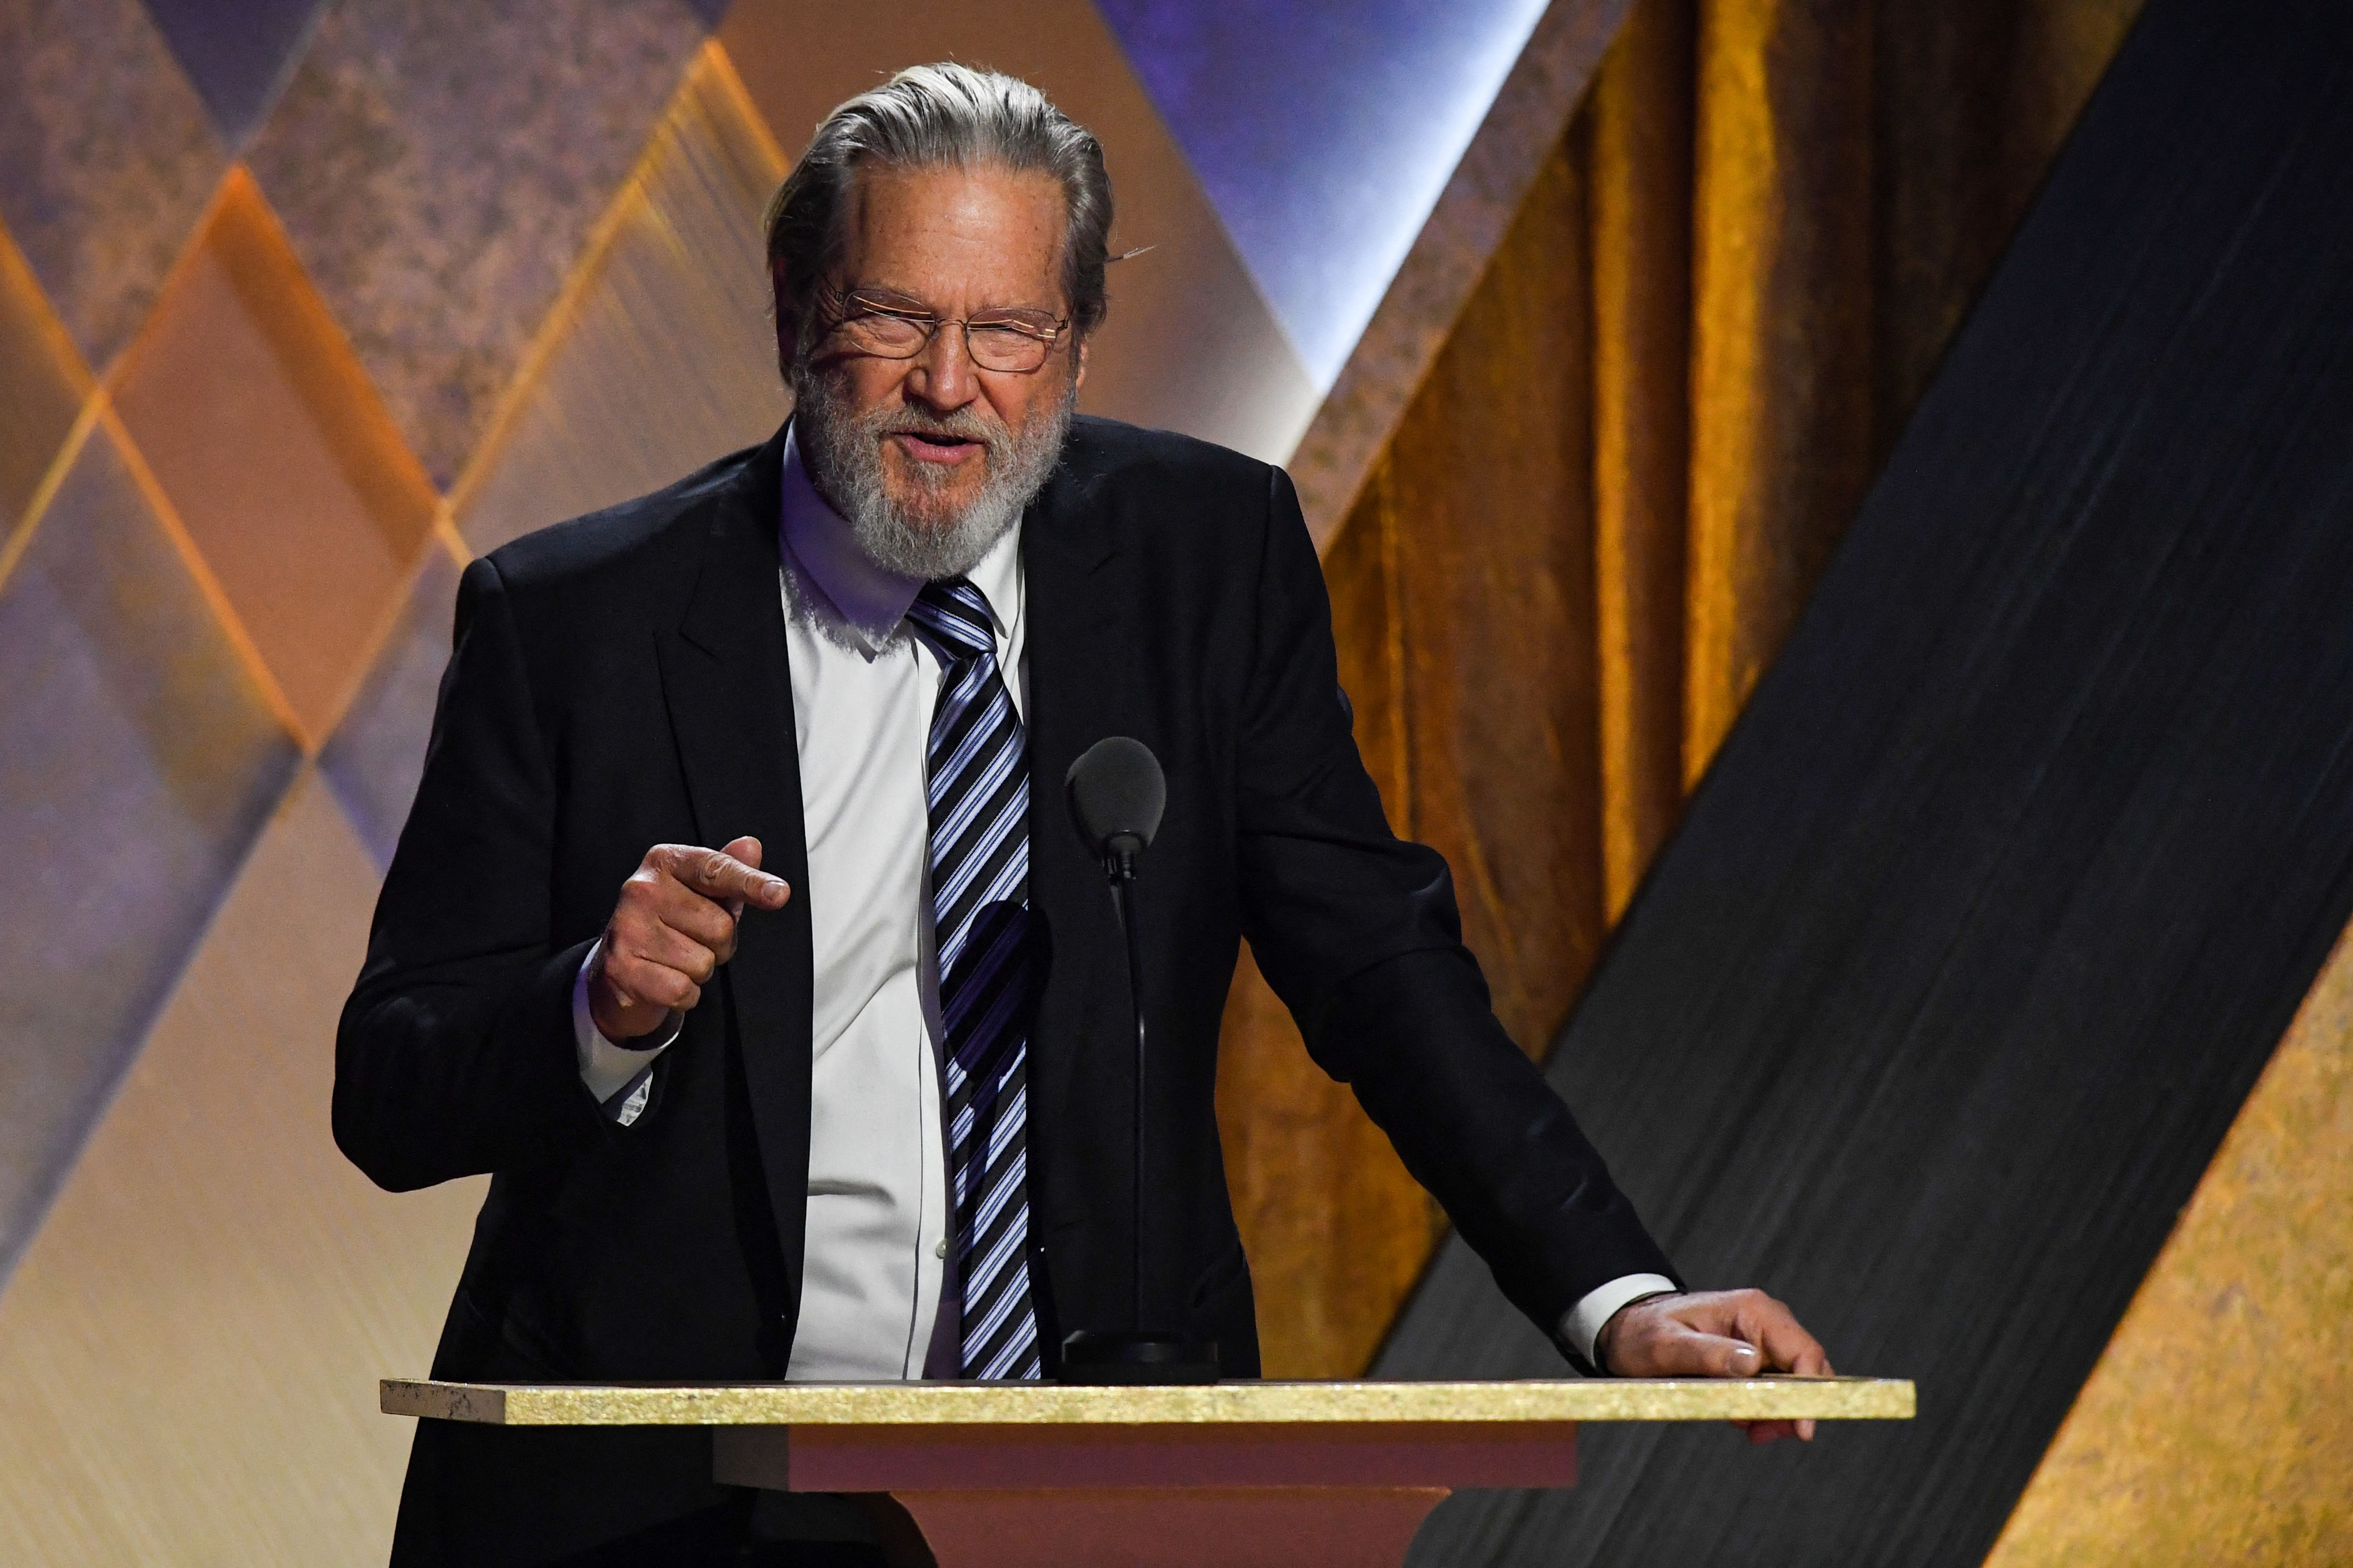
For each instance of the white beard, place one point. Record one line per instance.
(844, 453)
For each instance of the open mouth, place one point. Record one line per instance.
(935, 445)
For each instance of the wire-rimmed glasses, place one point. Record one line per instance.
(891, 326)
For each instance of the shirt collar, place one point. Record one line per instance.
(874, 601)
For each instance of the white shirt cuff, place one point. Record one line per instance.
(620, 1077)
(1582, 1324)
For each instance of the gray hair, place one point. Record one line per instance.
(938, 116)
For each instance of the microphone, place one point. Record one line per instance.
(1116, 793)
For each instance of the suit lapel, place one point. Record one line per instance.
(728, 685)
(1080, 653)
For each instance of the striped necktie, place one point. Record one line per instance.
(979, 799)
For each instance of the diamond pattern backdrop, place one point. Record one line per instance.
(304, 303)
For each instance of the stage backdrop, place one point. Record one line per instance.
(304, 303)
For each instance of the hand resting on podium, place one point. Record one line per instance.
(1713, 1333)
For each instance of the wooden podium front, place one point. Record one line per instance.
(1245, 1475)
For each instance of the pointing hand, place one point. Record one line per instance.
(671, 929)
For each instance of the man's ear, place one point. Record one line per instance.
(1079, 359)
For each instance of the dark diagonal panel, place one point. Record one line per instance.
(106, 159)
(2000, 895)
(140, 760)
(234, 52)
(440, 165)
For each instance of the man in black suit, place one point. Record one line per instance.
(737, 929)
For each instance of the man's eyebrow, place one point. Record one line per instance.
(884, 291)
(885, 294)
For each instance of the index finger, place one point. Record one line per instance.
(715, 874)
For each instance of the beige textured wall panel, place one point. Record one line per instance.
(2218, 1426)
(661, 357)
(106, 158)
(1190, 344)
(212, 1241)
(442, 165)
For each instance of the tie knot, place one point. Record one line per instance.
(953, 617)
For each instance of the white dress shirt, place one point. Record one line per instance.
(863, 692)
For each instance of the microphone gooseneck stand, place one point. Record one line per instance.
(1116, 793)
(1120, 866)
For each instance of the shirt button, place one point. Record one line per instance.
(942, 1249)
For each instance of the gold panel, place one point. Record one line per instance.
(1190, 344)
(212, 1242)
(1640, 183)
(1854, 186)
(660, 357)
(1781, 333)
(1221, 1404)
(1471, 552)
(263, 432)
(1337, 1230)
(1488, 503)
(2218, 1426)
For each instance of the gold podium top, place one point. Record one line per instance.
(1238, 1402)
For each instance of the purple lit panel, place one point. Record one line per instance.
(1323, 133)
(377, 754)
(236, 52)
(141, 763)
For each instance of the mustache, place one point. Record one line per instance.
(962, 424)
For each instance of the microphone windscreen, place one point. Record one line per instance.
(1116, 789)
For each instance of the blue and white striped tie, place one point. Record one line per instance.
(990, 972)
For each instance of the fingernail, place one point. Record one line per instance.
(1806, 1429)
(1744, 1360)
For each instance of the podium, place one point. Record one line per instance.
(1243, 1475)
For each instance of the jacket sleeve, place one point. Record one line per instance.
(1358, 933)
(455, 1055)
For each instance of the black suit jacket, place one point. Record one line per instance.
(621, 681)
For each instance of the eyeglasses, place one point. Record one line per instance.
(891, 327)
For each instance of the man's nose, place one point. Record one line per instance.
(943, 375)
